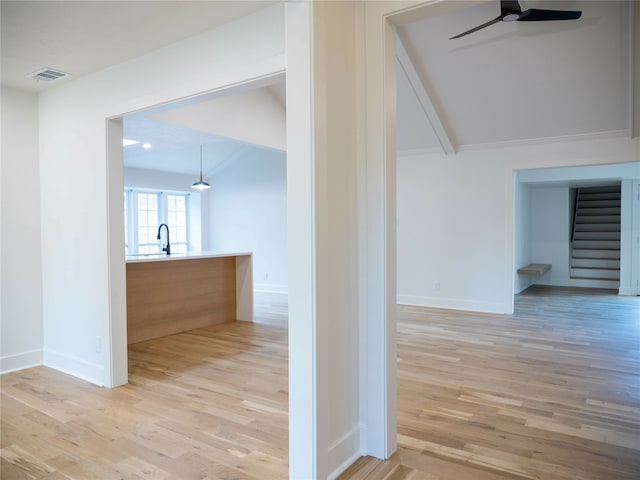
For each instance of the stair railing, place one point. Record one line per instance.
(575, 214)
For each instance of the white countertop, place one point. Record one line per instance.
(163, 257)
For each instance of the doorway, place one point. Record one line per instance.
(543, 219)
(116, 176)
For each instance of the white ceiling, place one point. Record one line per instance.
(82, 37)
(522, 81)
(255, 117)
(225, 127)
(511, 82)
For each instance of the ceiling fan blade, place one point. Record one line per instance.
(480, 27)
(535, 15)
(509, 6)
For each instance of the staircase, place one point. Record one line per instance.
(595, 252)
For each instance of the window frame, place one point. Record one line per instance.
(132, 245)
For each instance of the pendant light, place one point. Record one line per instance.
(200, 184)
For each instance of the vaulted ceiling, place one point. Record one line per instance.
(510, 83)
(225, 127)
(523, 81)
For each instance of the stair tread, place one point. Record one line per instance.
(601, 227)
(599, 273)
(589, 210)
(595, 258)
(602, 202)
(598, 240)
(601, 189)
(610, 233)
(595, 268)
(599, 247)
(617, 279)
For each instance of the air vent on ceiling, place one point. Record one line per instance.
(47, 74)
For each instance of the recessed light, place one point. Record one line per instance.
(126, 142)
(146, 145)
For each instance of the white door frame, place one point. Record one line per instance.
(116, 367)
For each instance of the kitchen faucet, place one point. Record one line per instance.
(168, 247)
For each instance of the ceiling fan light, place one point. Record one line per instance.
(510, 11)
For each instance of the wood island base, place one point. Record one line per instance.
(166, 296)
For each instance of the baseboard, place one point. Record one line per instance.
(627, 291)
(270, 288)
(453, 304)
(20, 361)
(519, 288)
(344, 451)
(91, 372)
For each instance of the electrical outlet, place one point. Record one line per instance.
(98, 344)
(265, 276)
(436, 286)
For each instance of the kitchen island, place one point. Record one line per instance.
(168, 294)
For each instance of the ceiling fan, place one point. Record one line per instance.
(510, 11)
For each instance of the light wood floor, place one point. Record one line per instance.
(207, 404)
(552, 392)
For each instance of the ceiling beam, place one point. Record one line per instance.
(423, 98)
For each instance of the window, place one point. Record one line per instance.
(177, 221)
(148, 220)
(144, 212)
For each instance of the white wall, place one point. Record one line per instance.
(630, 236)
(456, 225)
(522, 235)
(83, 274)
(451, 232)
(21, 322)
(248, 213)
(550, 233)
(175, 182)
